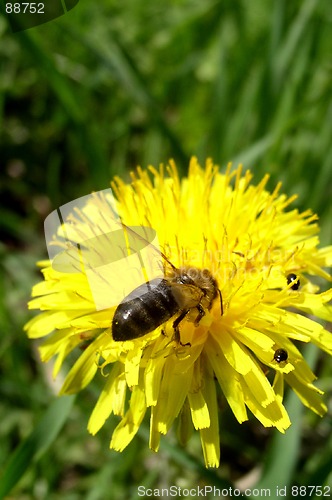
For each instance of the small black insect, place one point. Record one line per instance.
(280, 355)
(295, 280)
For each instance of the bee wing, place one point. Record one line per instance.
(87, 236)
(187, 296)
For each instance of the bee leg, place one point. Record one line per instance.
(200, 315)
(176, 327)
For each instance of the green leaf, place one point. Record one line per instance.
(36, 444)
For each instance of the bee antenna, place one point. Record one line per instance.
(221, 303)
(137, 235)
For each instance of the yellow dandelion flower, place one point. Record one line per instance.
(230, 334)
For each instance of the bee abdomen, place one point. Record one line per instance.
(151, 305)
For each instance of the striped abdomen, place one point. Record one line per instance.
(143, 310)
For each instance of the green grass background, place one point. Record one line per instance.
(94, 93)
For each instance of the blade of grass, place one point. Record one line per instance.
(296, 32)
(124, 69)
(70, 99)
(33, 447)
(323, 179)
(283, 454)
(254, 152)
(320, 475)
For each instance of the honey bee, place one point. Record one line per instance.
(125, 268)
(155, 302)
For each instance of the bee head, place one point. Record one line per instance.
(202, 278)
(187, 275)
